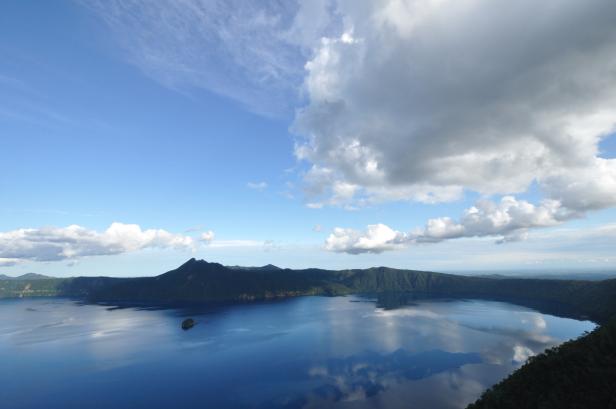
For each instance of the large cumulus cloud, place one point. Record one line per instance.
(422, 99)
(406, 99)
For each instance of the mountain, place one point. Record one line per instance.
(27, 276)
(198, 280)
(585, 276)
(201, 281)
(33, 276)
(262, 268)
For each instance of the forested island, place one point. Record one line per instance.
(580, 373)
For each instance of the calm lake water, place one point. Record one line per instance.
(308, 352)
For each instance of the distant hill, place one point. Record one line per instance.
(593, 276)
(27, 276)
(262, 268)
(554, 275)
(495, 276)
(33, 276)
(42, 286)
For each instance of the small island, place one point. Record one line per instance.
(188, 324)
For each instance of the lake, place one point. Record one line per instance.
(306, 352)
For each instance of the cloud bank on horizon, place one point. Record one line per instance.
(399, 100)
(73, 242)
(509, 220)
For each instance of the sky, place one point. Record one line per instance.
(425, 134)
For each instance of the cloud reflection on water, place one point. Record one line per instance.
(308, 352)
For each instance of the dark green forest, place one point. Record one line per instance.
(200, 281)
(579, 374)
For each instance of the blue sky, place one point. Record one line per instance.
(98, 124)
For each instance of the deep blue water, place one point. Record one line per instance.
(308, 352)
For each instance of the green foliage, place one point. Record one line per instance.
(53, 287)
(12, 288)
(578, 374)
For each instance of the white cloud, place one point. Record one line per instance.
(271, 245)
(61, 243)
(194, 229)
(521, 353)
(537, 321)
(260, 186)
(314, 205)
(375, 239)
(584, 188)
(509, 217)
(508, 220)
(7, 262)
(236, 243)
(419, 100)
(207, 236)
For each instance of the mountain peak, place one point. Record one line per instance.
(270, 267)
(33, 276)
(193, 265)
(193, 261)
(267, 267)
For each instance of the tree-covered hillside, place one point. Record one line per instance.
(578, 374)
(200, 281)
(13, 287)
(80, 287)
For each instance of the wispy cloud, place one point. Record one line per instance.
(7, 262)
(237, 243)
(252, 52)
(260, 186)
(21, 102)
(207, 236)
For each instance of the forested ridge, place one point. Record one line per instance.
(579, 374)
(201, 281)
